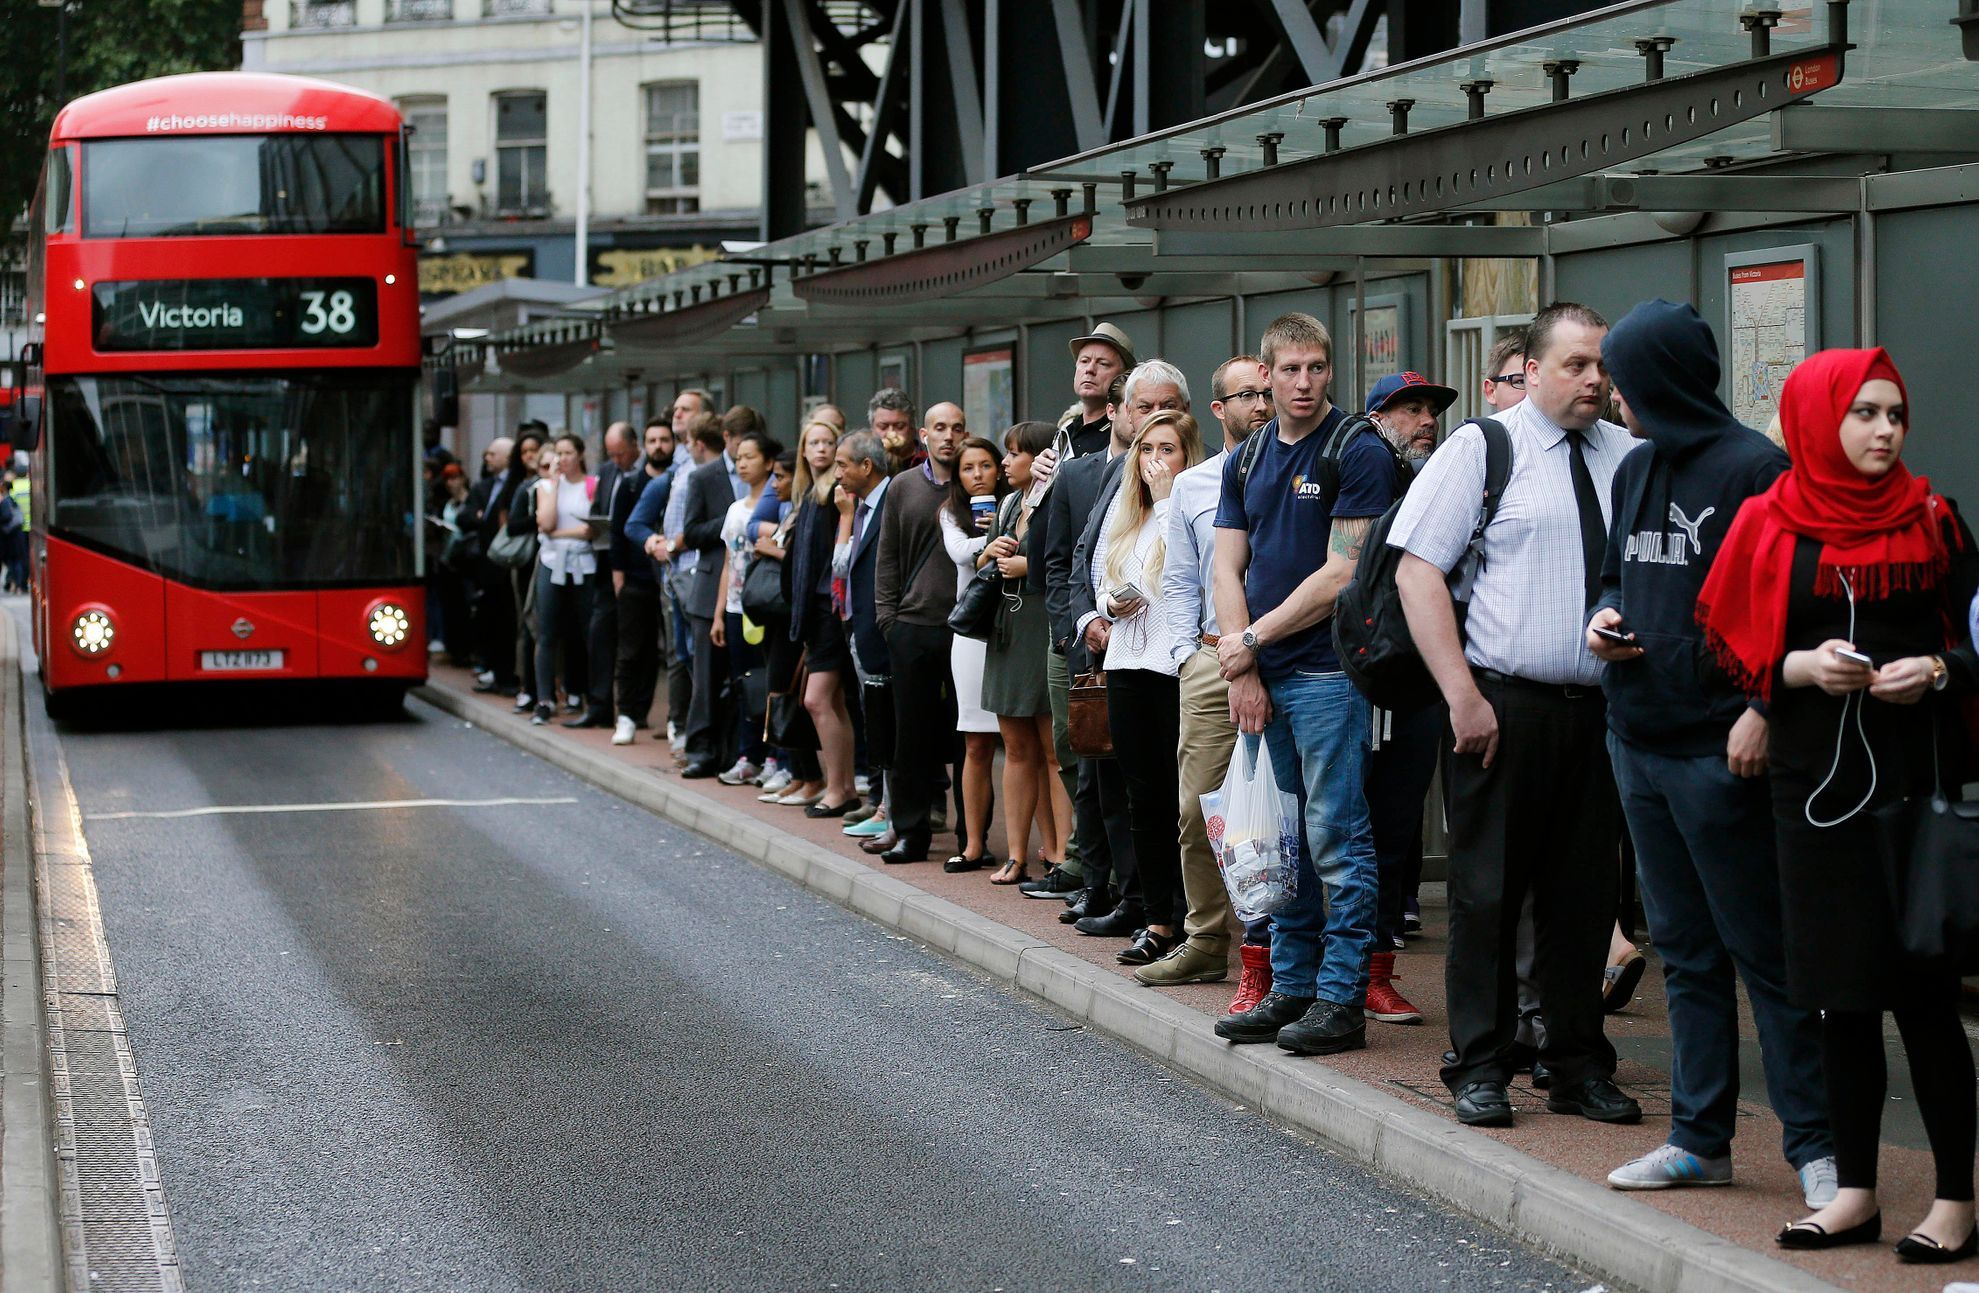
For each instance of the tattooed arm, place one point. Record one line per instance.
(1312, 601)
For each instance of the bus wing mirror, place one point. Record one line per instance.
(23, 424)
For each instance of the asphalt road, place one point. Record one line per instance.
(568, 1046)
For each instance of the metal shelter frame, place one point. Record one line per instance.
(1629, 124)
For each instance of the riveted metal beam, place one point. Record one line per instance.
(1824, 193)
(1406, 241)
(692, 323)
(1476, 161)
(944, 269)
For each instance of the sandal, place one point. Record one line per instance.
(962, 862)
(1011, 872)
(1618, 982)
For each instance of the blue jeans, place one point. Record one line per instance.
(1710, 883)
(1318, 737)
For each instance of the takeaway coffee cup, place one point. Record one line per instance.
(983, 507)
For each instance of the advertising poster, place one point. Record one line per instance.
(989, 390)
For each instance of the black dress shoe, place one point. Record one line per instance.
(588, 720)
(1122, 922)
(1088, 902)
(906, 851)
(1922, 1250)
(1054, 883)
(698, 769)
(1148, 947)
(1261, 1022)
(879, 843)
(1484, 1104)
(1542, 1077)
(1595, 1098)
(1326, 1029)
(832, 810)
(1810, 1234)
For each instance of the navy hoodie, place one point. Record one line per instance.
(1674, 499)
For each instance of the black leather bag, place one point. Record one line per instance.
(976, 605)
(788, 725)
(1932, 866)
(762, 592)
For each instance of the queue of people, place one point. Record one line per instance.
(1661, 656)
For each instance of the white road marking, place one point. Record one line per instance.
(218, 810)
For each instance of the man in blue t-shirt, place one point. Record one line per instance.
(1287, 539)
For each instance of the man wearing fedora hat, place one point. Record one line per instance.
(1098, 359)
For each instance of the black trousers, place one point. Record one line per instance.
(1400, 769)
(925, 740)
(1544, 817)
(1144, 712)
(1940, 1073)
(494, 622)
(639, 628)
(707, 712)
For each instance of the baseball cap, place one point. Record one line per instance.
(1389, 388)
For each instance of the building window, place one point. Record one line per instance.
(426, 158)
(323, 13)
(673, 148)
(419, 10)
(513, 8)
(521, 145)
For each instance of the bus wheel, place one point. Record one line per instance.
(58, 706)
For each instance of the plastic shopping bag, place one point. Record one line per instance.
(1255, 830)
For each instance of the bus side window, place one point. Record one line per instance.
(59, 211)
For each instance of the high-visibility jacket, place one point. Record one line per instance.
(19, 490)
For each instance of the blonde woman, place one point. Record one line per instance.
(1143, 693)
(813, 621)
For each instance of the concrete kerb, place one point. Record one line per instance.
(1615, 1237)
(30, 1227)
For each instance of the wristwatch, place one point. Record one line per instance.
(1249, 639)
(1939, 674)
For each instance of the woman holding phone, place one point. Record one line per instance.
(1143, 691)
(1835, 598)
(966, 518)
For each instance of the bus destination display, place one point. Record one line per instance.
(236, 314)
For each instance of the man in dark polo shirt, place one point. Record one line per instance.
(1287, 540)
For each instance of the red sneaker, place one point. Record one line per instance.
(1383, 1002)
(1255, 981)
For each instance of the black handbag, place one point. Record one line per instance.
(976, 605)
(762, 592)
(1932, 866)
(788, 725)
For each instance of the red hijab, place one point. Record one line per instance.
(1881, 533)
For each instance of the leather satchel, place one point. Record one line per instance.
(975, 610)
(1086, 723)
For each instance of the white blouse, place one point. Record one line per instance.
(1141, 640)
(569, 561)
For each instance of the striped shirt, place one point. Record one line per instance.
(1527, 613)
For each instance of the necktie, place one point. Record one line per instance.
(859, 523)
(1593, 534)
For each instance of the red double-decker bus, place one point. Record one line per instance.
(221, 390)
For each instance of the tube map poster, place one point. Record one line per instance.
(1768, 307)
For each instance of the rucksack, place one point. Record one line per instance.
(1329, 455)
(1370, 631)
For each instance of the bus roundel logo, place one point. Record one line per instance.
(243, 629)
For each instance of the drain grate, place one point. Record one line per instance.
(116, 1227)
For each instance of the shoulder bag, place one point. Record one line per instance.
(1086, 722)
(976, 605)
(513, 548)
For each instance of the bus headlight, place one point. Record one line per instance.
(389, 624)
(93, 633)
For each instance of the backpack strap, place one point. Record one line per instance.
(1497, 474)
(1252, 451)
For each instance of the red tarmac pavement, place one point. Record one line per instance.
(1403, 1060)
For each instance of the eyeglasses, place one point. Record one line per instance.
(1247, 395)
(1514, 380)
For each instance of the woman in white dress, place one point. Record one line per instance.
(978, 474)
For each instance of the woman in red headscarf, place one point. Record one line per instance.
(1833, 599)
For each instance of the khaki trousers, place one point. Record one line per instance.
(1203, 754)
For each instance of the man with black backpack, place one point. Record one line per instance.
(1289, 530)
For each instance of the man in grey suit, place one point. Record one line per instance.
(711, 490)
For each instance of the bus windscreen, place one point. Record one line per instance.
(237, 481)
(212, 185)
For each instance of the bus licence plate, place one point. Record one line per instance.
(240, 661)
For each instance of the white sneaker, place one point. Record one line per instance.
(622, 734)
(862, 785)
(1819, 1182)
(1667, 1166)
(486, 677)
(524, 702)
(773, 787)
(770, 771)
(741, 772)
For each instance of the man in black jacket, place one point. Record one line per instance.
(711, 491)
(494, 609)
(1690, 759)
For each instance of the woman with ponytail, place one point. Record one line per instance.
(1838, 601)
